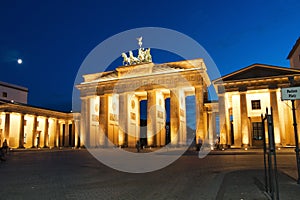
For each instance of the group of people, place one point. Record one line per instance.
(3, 150)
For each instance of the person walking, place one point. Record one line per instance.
(5, 146)
(138, 146)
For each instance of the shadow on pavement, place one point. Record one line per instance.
(249, 184)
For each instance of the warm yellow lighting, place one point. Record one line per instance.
(246, 149)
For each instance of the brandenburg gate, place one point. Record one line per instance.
(110, 110)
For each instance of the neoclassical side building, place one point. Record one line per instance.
(111, 103)
(245, 94)
(25, 126)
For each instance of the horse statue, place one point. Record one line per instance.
(141, 55)
(126, 60)
(148, 57)
(133, 60)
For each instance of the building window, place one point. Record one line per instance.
(4, 94)
(255, 104)
(257, 132)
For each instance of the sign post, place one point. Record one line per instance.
(293, 93)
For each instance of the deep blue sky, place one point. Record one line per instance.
(53, 37)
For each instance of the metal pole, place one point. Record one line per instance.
(274, 158)
(296, 139)
(270, 154)
(265, 151)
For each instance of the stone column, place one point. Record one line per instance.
(199, 98)
(66, 136)
(210, 128)
(76, 133)
(72, 139)
(274, 105)
(205, 123)
(57, 134)
(174, 117)
(244, 120)
(85, 122)
(123, 120)
(82, 121)
(103, 120)
(151, 118)
(34, 131)
(161, 120)
(6, 127)
(21, 132)
(46, 133)
(222, 120)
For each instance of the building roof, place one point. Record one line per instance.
(294, 48)
(258, 71)
(10, 106)
(13, 86)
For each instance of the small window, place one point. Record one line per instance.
(255, 104)
(4, 94)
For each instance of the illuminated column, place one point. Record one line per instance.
(222, 119)
(244, 120)
(6, 127)
(34, 131)
(66, 136)
(182, 118)
(52, 133)
(174, 116)
(161, 120)
(151, 117)
(199, 100)
(103, 120)
(84, 122)
(123, 119)
(236, 113)
(274, 105)
(21, 133)
(133, 119)
(46, 133)
(205, 123)
(76, 133)
(57, 133)
(211, 126)
(288, 125)
(72, 137)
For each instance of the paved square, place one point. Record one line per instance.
(75, 174)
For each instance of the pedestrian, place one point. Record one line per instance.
(5, 146)
(138, 146)
(199, 144)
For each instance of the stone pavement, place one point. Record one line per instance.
(74, 174)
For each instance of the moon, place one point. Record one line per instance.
(20, 61)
